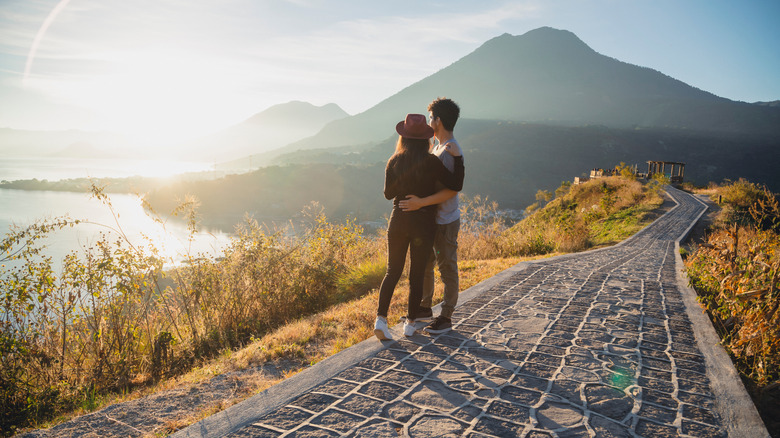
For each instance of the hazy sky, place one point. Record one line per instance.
(168, 69)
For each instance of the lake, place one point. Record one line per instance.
(54, 168)
(25, 207)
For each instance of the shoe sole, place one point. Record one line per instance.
(420, 318)
(381, 335)
(437, 331)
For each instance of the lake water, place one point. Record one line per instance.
(54, 169)
(25, 207)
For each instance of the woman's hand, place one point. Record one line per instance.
(453, 149)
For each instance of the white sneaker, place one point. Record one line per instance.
(381, 330)
(409, 328)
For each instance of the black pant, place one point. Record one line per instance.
(412, 231)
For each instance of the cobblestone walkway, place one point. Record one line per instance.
(596, 344)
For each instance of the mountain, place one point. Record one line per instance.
(25, 143)
(270, 129)
(550, 76)
(83, 149)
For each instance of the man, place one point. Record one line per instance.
(443, 114)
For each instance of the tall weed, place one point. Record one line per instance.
(736, 272)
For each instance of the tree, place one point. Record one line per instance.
(543, 196)
(563, 189)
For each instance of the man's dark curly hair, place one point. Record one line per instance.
(445, 110)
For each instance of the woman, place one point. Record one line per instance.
(412, 170)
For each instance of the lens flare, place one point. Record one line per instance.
(39, 36)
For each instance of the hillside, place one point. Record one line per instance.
(274, 304)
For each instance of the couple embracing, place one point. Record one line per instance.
(423, 181)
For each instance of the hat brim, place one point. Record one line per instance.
(426, 134)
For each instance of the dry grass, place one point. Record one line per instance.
(599, 212)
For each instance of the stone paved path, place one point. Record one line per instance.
(597, 344)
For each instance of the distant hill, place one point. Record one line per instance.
(26, 143)
(84, 149)
(271, 129)
(550, 76)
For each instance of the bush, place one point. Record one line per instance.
(481, 229)
(748, 204)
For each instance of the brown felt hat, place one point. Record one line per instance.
(414, 126)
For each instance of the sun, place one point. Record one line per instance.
(154, 94)
(155, 97)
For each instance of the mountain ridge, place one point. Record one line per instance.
(506, 162)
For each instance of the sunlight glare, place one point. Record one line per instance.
(155, 97)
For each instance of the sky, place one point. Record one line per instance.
(163, 71)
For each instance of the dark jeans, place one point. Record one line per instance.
(412, 231)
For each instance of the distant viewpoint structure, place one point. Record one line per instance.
(676, 170)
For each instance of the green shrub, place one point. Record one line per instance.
(361, 279)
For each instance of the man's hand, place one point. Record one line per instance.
(411, 203)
